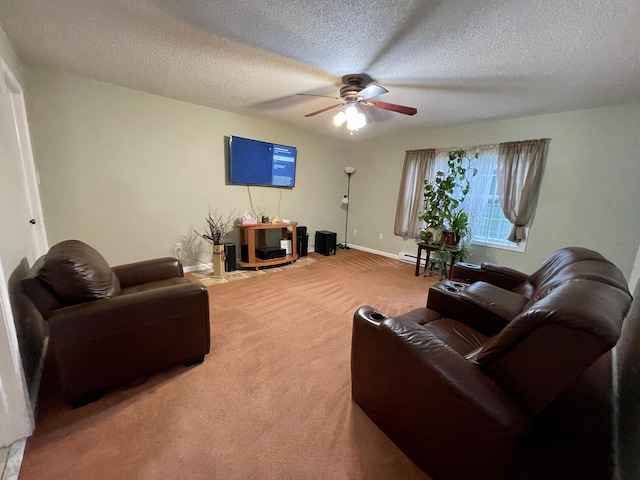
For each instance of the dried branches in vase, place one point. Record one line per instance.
(217, 227)
(216, 230)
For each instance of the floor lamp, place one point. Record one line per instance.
(345, 200)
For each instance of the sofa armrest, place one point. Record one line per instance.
(498, 275)
(420, 316)
(498, 301)
(147, 271)
(516, 275)
(418, 390)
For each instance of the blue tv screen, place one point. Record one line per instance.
(252, 162)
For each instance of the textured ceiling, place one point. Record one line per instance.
(456, 61)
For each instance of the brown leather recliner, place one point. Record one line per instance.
(459, 395)
(109, 326)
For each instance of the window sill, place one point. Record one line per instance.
(521, 247)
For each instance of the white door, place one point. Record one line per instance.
(22, 237)
(33, 220)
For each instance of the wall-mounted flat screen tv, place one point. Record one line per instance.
(252, 162)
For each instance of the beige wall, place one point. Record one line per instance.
(130, 172)
(589, 195)
(9, 57)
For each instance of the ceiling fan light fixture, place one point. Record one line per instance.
(339, 118)
(356, 94)
(351, 112)
(354, 118)
(356, 122)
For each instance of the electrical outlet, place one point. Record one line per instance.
(355, 231)
(178, 246)
(380, 236)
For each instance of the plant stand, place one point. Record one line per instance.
(430, 247)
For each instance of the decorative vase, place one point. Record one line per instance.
(450, 239)
(218, 261)
(436, 235)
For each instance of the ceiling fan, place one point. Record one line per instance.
(356, 92)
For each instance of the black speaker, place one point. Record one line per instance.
(303, 245)
(302, 242)
(326, 242)
(229, 257)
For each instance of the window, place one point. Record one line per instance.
(490, 226)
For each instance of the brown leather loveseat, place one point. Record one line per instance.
(458, 385)
(109, 326)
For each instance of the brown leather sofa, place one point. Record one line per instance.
(459, 386)
(109, 326)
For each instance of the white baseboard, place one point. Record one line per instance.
(411, 258)
(195, 268)
(371, 250)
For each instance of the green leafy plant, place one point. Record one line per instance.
(443, 196)
(464, 249)
(426, 236)
(459, 225)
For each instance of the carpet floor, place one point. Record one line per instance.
(271, 401)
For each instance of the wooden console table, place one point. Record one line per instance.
(248, 238)
(429, 247)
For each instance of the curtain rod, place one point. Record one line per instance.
(485, 146)
(474, 147)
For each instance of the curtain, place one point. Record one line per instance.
(410, 197)
(518, 176)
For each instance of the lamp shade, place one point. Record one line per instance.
(353, 118)
(349, 170)
(339, 119)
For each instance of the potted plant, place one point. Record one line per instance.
(457, 228)
(215, 232)
(456, 238)
(458, 234)
(443, 196)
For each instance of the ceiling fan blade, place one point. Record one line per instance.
(372, 91)
(324, 109)
(313, 95)
(393, 107)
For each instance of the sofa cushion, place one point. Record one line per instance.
(77, 273)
